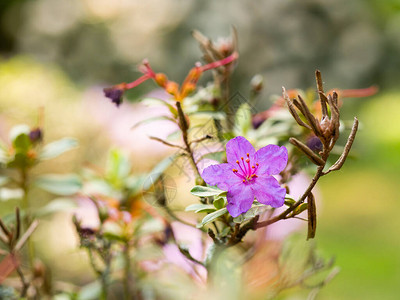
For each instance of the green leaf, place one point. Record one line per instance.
(206, 191)
(66, 184)
(90, 291)
(211, 114)
(158, 170)
(243, 119)
(206, 210)
(155, 101)
(56, 205)
(149, 120)
(7, 194)
(4, 180)
(218, 156)
(197, 206)
(3, 156)
(18, 130)
(219, 203)
(212, 217)
(118, 167)
(57, 148)
(301, 208)
(22, 143)
(289, 200)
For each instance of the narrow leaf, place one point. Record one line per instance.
(66, 184)
(206, 191)
(57, 148)
(212, 217)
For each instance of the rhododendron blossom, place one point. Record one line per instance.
(248, 175)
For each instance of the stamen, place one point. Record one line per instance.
(234, 170)
(253, 167)
(248, 154)
(244, 180)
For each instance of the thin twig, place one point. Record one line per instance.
(26, 235)
(307, 151)
(165, 142)
(339, 163)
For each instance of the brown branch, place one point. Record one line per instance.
(293, 111)
(339, 163)
(165, 142)
(307, 151)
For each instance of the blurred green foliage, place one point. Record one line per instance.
(58, 47)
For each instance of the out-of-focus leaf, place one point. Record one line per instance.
(210, 114)
(57, 148)
(56, 205)
(206, 191)
(158, 170)
(218, 156)
(3, 156)
(66, 184)
(149, 120)
(243, 120)
(90, 291)
(175, 135)
(7, 194)
(118, 167)
(155, 101)
(212, 217)
(18, 130)
(4, 180)
(22, 143)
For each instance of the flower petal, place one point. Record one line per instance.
(238, 147)
(220, 175)
(240, 198)
(267, 191)
(272, 159)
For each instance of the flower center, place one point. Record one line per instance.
(246, 171)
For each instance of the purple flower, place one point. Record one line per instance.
(247, 175)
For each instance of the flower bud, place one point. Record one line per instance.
(257, 83)
(161, 79)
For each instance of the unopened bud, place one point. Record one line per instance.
(257, 83)
(36, 135)
(161, 79)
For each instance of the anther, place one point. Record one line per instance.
(257, 165)
(248, 154)
(237, 162)
(234, 170)
(253, 167)
(247, 160)
(241, 158)
(244, 180)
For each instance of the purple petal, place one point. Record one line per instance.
(237, 148)
(267, 191)
(272, 159)
(220, 175)
(240, 198)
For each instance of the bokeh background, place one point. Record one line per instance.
(58, 54)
